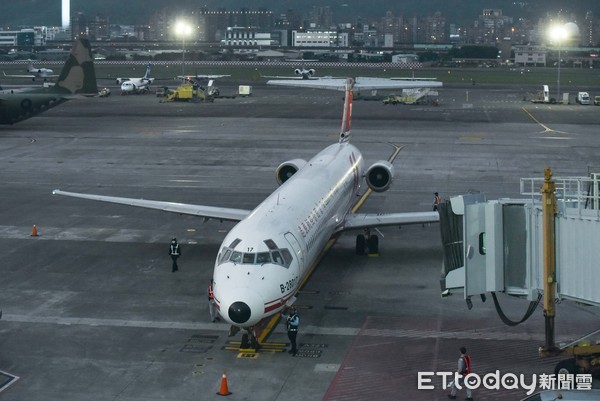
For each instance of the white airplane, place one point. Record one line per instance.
(193, 78)
(360, 83)
(34, 73)
(300, 73)
(136, 85)
(264, 258)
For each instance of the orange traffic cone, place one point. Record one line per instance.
(224, 389)
(34, 231)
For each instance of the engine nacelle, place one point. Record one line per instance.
(380, 175)
(288, 169)
(304, 73)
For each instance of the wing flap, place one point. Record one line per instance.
(219, 213)
(355, 221)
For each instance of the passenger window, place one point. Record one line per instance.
(287, 256)
(249, 258)
(236, 257)
(263, 257)
(277, 258)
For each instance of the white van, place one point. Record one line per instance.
(565, 395)
(583, 98)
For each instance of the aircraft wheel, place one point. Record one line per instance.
(245, 341)
(566, 366)
(373, 244)
(360, 244)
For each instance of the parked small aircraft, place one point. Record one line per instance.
(35, 72)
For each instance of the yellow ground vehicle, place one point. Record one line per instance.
(190, 93)
(597, 100)
(104, 92)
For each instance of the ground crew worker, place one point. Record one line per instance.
(175, 252)
(293, 321)
(212, 309)
(436, 201)
(464, 368)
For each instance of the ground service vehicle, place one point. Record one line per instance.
(245, 90)
(597, 101)
(583, 98)
(189, 93)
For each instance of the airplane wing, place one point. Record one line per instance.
(211, 212)
(354, 221)
(19, 76)
(289, 77)
(360, 83)
(200, 76)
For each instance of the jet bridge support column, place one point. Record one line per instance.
(549, 245)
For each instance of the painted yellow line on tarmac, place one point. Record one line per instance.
(545, 127)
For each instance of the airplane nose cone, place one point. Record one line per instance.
(239, 312)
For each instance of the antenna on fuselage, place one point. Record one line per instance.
(347, 117)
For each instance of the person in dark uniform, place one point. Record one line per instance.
(175, 252)
(293, 321)
(436, 201)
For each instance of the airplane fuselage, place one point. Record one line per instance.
(265, 257)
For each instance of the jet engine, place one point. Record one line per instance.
(303, 72)
(288, 169)
(380, 175)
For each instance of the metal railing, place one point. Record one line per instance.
(572, 193)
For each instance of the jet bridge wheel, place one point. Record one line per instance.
(566, 366)
(373, 244)
(361, 244)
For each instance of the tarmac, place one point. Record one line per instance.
(91, 310)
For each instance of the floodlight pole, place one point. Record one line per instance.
(183, 54)
(558, 77)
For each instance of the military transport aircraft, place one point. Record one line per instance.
(268, 254)
(77, 77)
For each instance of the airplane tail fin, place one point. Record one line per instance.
(347, 117)
(78, 75)
(147, 75)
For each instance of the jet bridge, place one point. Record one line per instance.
(496, 245)
(543, 244)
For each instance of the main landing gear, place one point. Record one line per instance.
(367, 243)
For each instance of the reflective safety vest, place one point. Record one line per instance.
(293, 322)
(210, 292)
(467, 361)
(174, 249)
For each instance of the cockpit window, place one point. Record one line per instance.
(270, 244)
(235, 243)
(225, 255)
(282, 257)
(236, 257)
(249, 258)
(287, 256)
(277, 258)
(263, 257)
